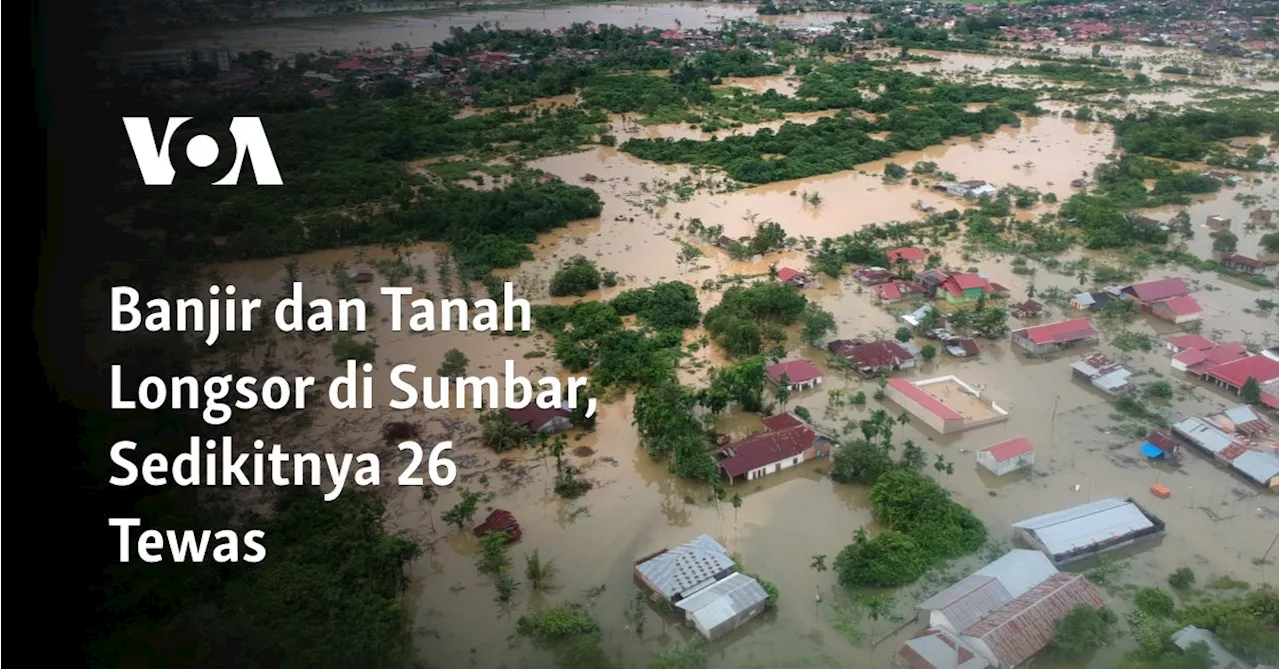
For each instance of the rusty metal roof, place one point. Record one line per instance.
(1024, 626)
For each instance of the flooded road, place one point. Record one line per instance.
(1217, 525)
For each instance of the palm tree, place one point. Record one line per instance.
(430, 495)
(939, 463)
(539, 574)
(1083, 276)
(819, 565)
(903, 419)
(736, 501)
(784, 390)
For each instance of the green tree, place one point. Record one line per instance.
(1082, 631)
(818, 323)
(1225, 241)
(736, 501)
(454, 364)
(818, 564)
(1251, 392)
(462, 512)
(1182, 578)
(1270, 242)
(540, 574)
(902, 335)
(913, 457)
(928, 352)
(783, 391)
(1154, 602)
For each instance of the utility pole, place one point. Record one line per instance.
(1273, 545)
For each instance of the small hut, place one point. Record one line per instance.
(500, 520)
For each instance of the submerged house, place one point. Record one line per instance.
(946, 404)
(725, 605)
(1160, 445)
(873, 276)
(907, 255)
(1028, 309)
(787, 442)
(1244, 264)
(1007, 456)
(1190, 342)
(1178, 310)
(962, 348)
(500, 520)
(801, 374)
(877, 357)
(676, 573)
(967, 287)
(1104, 374)
(700, 578)
(897, 291)
(1150, 292)
(1218, 654)
(1088, 530)
(1042, 339)
(793, 277)
(999, 616)
(538, 419)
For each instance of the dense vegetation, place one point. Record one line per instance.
(1244, 620)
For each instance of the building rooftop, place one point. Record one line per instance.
(1192, 342)
(1161, 289)
(907, 253)
(725, 599)
(1056, 333)
(797, 371)
(925, 400)
(686, 568)
(1181, 306)
(1258, 466)
(989, 588)
(1237, 372)
(1086, 525)
(766, 448)
(1024, 626)
(1007, 450)
(937, 649)
(1204, 434)
(1222, 658)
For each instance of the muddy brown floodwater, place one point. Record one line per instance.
(637, 507)
(422, 28)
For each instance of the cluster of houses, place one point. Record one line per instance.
(788, 439)
(931, 283)
(1228, 366)
(1001, 615)
(699, 579)
(1237, 439)
(1167, 299)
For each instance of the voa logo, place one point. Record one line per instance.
(202, 151)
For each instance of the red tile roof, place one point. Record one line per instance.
(787, 274)
(1163, 289)
(924, 399)
(797, 371)
(1010, 449)
(956, 284)
(765, 449)
(1024, 626)
(1180, 306)
(1191, 342)
(1060, 332)
(1237, 372)
(1206, 359)
(907, 253)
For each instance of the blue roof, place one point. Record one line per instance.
(1151, 451)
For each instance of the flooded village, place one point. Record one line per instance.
(923, 334)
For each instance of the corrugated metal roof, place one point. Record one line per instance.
(728, 597)
(973, 598)
(936, 649)
(687, 567)
(1222, 658)
(1020, 570)
(1200, 432)
(1086, 525)
(1258, 466)
(1025, 625)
